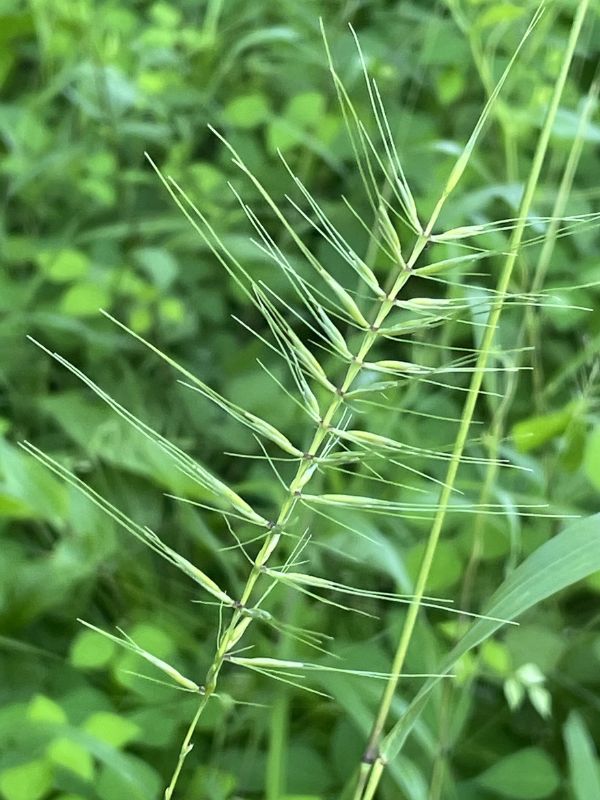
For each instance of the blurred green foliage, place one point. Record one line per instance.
(87, 87)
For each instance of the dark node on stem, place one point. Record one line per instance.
(374, 328)
(308, 456)
(428, 243)
(238, 605)
(271, 525)
(371, 755)
(340, 392)
(356, 361)
(323, 424)
(297, 493)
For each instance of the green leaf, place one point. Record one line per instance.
(84, 300)
(71, 797)
(90, 650)
(11, 507)
(305, 109)
(535, 644)
(141, 782)
(115, 441)
(247, 111)
(64, 752)
(29, 781)
(158, 731)
(528, 774)
(307, 772)
(498, 14)
(28, 483)
(158, 264)
(447, 567)
(16, 25)
(281, 135)
(65, 265)
(567, 127)
(300, 797)
(209, 783)
(450, 84)
(496, 656)
(171, 310)
(583, 763)
(592, 458)
(533, 432)
(573, 445)
(111, 728)
(43, 709)
(119, 93)
(152, 638)
(568, 557)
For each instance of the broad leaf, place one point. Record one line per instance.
(583, 764)
(567, 558)
(528, 774)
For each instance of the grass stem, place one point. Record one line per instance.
(373, 746)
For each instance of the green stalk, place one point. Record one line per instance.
(537, 283)
(499, 421)
(372, 754)
(211, 19)
(185, 748)
(558, 211)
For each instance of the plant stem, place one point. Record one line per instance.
(185, 748)
(499, 421)
(537, 283)
(372, 753)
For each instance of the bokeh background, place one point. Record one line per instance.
(87, 87)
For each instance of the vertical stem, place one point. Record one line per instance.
(499, 419)
(372, 754)
(185, 749)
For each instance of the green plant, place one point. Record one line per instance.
(348, 324)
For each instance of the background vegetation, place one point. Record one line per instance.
(86, 88)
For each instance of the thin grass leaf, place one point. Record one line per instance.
(568, 557)
(582, 757)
